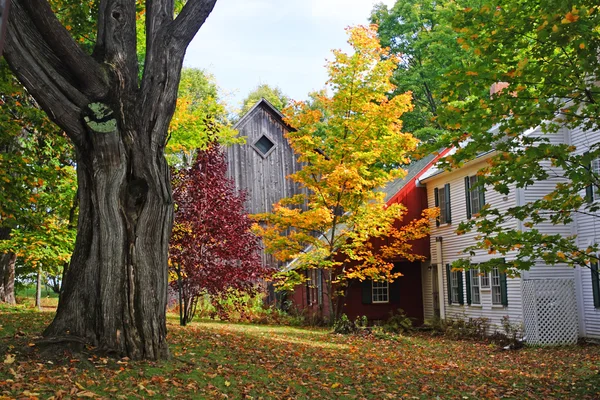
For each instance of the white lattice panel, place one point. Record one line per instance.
(550, 311)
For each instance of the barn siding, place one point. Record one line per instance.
(265, 179)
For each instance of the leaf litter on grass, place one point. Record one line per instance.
(220, 360)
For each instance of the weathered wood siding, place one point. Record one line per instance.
(263, 178)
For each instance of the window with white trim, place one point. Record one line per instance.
(475, 196)
(455, 291)
(496, 287)
(475, 293)
(380, 292)
(443, 207)
(484, 280)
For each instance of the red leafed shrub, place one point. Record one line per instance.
(212, 248)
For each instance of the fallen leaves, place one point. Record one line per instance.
(246, 361)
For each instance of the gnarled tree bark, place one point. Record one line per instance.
(115, 289)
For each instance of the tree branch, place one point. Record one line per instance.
(85, 72)
(43, 74)
(117, 41)
(192, 17)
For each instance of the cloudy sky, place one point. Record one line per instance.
(279, 42)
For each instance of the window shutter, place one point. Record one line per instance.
(436, 195)
(449, 282)
(595, 284)
(394, 291)
(447, 193)
(461, 293)
(468, 279)
(468, 196)
(367, 291)
(503, 289)
(589, 190)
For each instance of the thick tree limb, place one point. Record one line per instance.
(43, 74)
(159, 13)
(116, 41)
(87, 73)
(192, 17)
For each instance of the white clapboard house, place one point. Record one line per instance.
(556, 304)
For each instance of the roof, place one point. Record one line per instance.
(267, 106)
(412, 170)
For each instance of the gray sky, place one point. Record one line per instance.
(282, 43)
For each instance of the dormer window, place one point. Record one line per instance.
(264, 146)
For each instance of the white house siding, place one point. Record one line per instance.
(453, 244)
(588, 232)
(426, 276)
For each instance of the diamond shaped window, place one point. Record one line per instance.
(264, 145)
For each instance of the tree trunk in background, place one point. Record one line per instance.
(38, 290)
(7, 278)
(114, 291)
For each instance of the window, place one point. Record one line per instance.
(484, 280)
(312, 287)
(455, 286)
(474, 195)
(475, 295)
(496, 287)
(442, 200)
(381, 291)
(264, 146)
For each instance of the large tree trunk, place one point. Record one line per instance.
(7, 278)
(125, 217)
(115, 289)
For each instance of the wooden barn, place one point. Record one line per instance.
(262, 164)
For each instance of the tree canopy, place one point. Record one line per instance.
(545, 54)
(273, 95)
(344, 160)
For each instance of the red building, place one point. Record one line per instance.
(377, 300)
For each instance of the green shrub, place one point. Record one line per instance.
(398, 322)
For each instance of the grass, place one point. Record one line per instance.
(213, 360)
(26, 296)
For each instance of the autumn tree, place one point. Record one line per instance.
(213, 249)
(545, 55)
(37, 187)
(273, 95)
(200, 118)
(117, 118)
(347, 143)
(420, 34)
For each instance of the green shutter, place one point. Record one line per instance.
(436, 195)
(449, 282)
(367, 291)
(468, 196)
(595, 284)
(503, 289)
(461, 292)
(468, 279)
(447, 193)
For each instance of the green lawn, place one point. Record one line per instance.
(217, 360)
